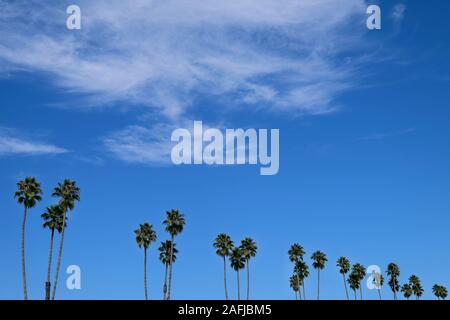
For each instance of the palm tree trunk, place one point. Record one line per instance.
(48, 284)
(24, 273)
(379, 293)
(299, 286)
(170, 272)
(345, 286)
(248, 279)
(360, 290)
(296, 295)
(318, 284)
(355, 294)
(58, 264)
(238, 286)
(165, 282)
(225, 277)
(304, 293)
(145, 273)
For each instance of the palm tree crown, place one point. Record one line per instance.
(296, 252)
(344, 265)
(164, 252)
(223, 244)
(145, 235)
(68, 192)
(406, 290)
(416, 286)
(440, 291)
(174, 222)
(248, 248)
(53, 218)
(28, 192)
(319, 259)
(237, 259)
(394, 272)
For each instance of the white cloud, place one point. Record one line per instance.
(398, 12)
(283, 54)
(13, 145)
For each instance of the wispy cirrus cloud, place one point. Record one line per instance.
(13, 144)
(283, 54)
(385, 135)
(398, 12)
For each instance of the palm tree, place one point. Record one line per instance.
(416, 286)
(296, 253)
(393, 271)
(164, 257)
(440, 291)
(237, 260)
(53, 220)
(249, 249)
(174, 225)
(294, 284)
(344, 267)
(353, 281)
(224, 245)
(28, 194)
(407, 291)
(69, 193)
(145, 235)
(378, 281)
(360, 272)
(319, 259)
(302, 271)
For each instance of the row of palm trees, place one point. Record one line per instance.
(145, 235)
(239, 258)
(356, 275)
(28, 194)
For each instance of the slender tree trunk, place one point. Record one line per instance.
(296, 295)
(225, 277)
(379, 293)
(299, 287)
(165, 282)
(318, 284)
(354, 291)
(248, 279)
(170, 272)
(345, 286)
(304, 293)
(360, 290)
(48, 284)
(24, 273)
(238, 285)
(145, 273)
(58, 264)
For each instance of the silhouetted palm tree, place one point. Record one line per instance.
(407, 291)
(393, 271)
(249, 249)
(378, 281)
(360, 272)
(28, 194)
(164, 257)
(353, 281)
(53, 220)
(237, 263)
(224, 245)
(416, 286)
(440, 291)
(302, 271)
(344, 267)
(296, 253)
(174, 225)
(145, 235)
(294, 284)
(68, 193)
(319, 260)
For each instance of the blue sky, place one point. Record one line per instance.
(364, 135)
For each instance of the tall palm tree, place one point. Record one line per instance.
(440, 291)
(53, 220)
(28, 194)
(294, 284)
(407, 291)
(353, 281)
(296, 253)
(68, 193)
(302, 271)
(249, 249)
(319, 260)
(393, 271)
(237, 260)
(360, 271)
(344, 267)
(174, 226)
(224, 245)
(378, 281)
(145, 235)
(416, 286)
(164, 257)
